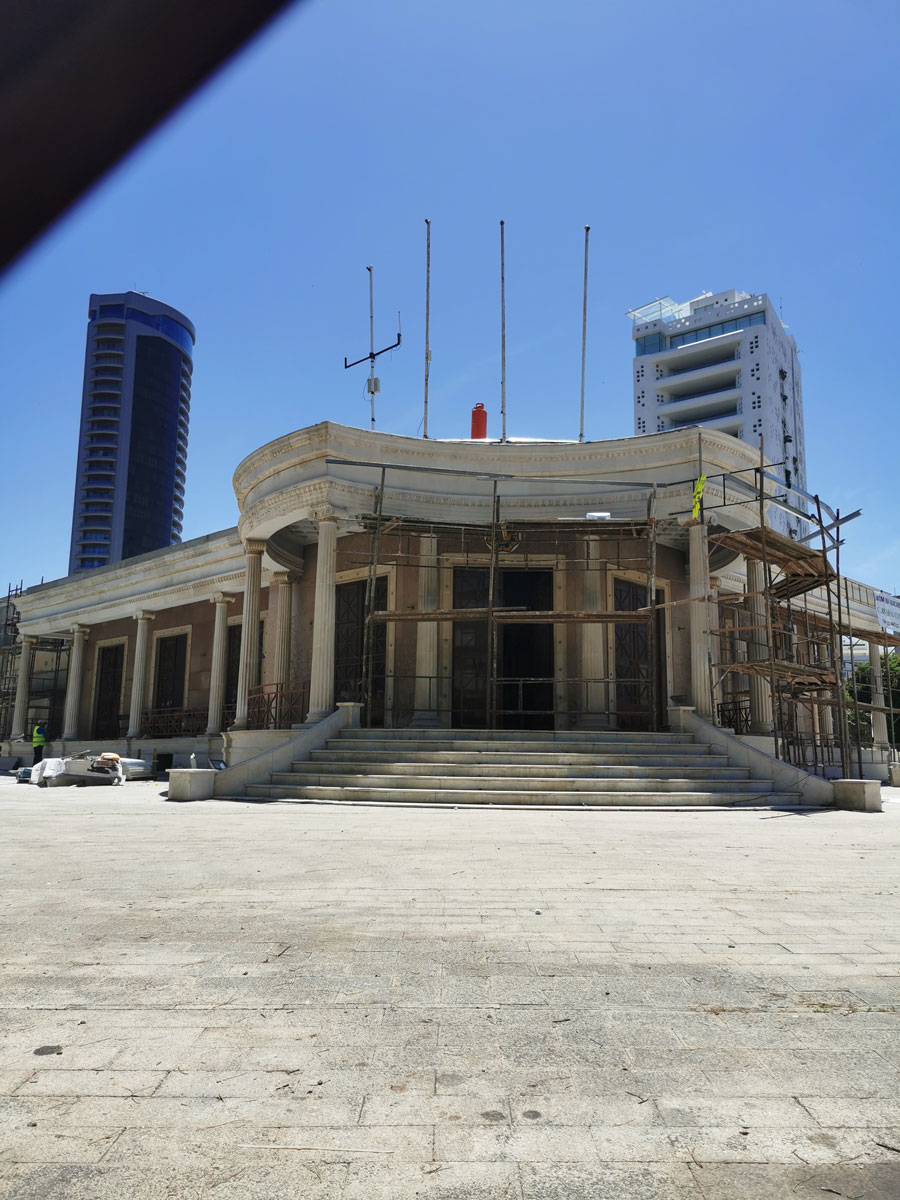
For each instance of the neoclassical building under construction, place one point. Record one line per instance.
(465, 584)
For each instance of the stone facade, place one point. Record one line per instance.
(189, 670)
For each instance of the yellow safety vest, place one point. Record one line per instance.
(38, 737)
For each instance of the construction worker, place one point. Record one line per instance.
(38, 740)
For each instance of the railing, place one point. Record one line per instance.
(278, 705)
(735, 714)
(519, 703)
(174, 722)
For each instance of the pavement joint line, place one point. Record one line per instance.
(745, 995)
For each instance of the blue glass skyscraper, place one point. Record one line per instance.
(132, 446)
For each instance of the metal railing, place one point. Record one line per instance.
(278, 705)
(530, 702)
(734, 714)
(174, 722)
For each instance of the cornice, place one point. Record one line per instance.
(138, 603)
(531, 460)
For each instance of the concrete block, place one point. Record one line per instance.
(185, 784)
(861, 795)
(894, 775)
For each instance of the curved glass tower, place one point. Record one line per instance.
(132, 446)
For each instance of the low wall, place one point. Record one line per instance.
(244, 744)
(258, 767)
(761, 765)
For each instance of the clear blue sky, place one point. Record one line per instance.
(708, 145)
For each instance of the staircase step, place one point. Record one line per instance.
(275, 791)
(513, 735)
(698, 758)
(518, 770)
(518, 785)
(512, 768)
(403, 746)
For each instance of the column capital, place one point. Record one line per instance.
(285, 578)
(255, 546)
(79, 630)
(28, 639)
(221, 598)
(326, 512)
(143, 614)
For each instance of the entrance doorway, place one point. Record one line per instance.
(110, 663)
(632, 659)
(524, 697)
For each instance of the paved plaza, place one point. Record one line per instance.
(231, 1001)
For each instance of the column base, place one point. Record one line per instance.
(314, 718)
(238, 725)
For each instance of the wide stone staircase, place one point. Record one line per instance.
(517, 767)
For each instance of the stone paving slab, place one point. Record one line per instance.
(236, 1001)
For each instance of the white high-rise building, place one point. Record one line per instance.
(722, 361)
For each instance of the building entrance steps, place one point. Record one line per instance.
(527, 768)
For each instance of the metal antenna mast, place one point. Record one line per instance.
(587, 230)
(502, 334)
(373, 384)
(427, 317)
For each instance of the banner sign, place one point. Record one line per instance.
(887, 611)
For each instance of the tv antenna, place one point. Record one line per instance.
(373, 383)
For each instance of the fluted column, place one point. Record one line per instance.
(593, 636)
(249, 660)
(139, 676)
(760, 687)
(826, 713)
(879, 720)
(23, 686)
(321, 683)
(425, 703)
(701, 694)
(73, 683)
(282, 581)
(219, 664)
(298, 667)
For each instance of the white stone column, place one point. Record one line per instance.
(219, 664)
(760, 686)
(298, 670)
(139, 676)
(879, 720)
(593, 638)
(281, 585)
(23, 686)
(425, 703)
(701, 694)
(281, 581)
(826, 713)
(249, 660)
(321, 683)
(73, 683)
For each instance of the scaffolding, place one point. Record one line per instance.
(497, 697)
(796, 651)
(48, 671)
(773, 634)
